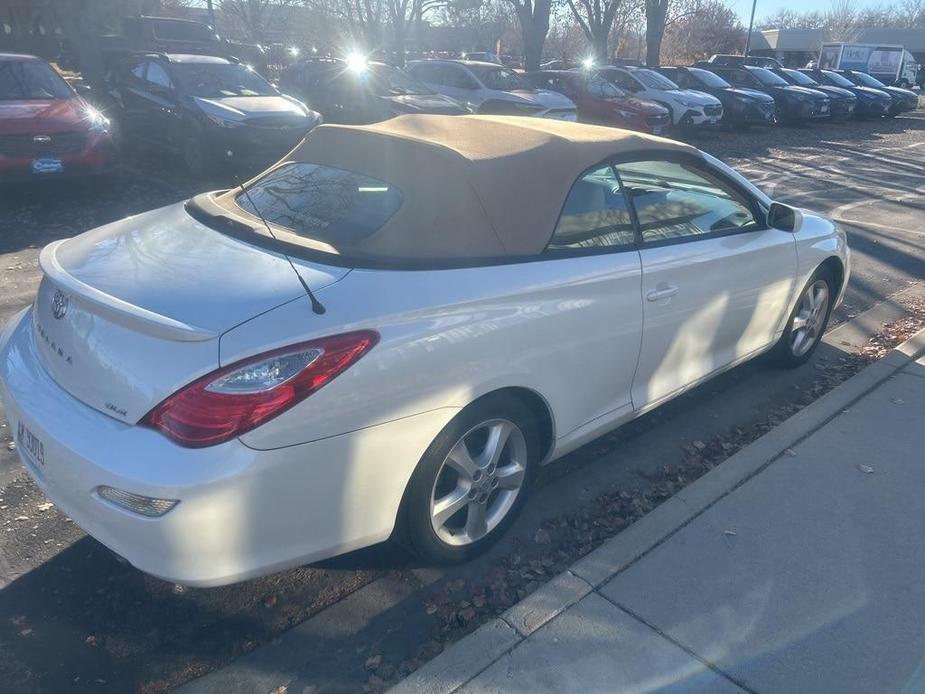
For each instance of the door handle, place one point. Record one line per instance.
(662, 291)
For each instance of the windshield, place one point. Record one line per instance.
(386, 80)
(837, 79)
(768, 78)
(322, 202)
(501, 78)
(800, 78)
(215, 80)
(31, 79)
(867, 80)
(652, 79)
(707, 78)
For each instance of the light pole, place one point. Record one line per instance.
(212, 13)
(751, 22)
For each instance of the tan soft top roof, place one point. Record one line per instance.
(472, 186)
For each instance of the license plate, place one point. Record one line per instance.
(824, 108)
(657, 130)
(713, 120)
(45, 166)
(30, 445)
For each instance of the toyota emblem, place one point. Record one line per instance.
(41, 139)
(59, 304)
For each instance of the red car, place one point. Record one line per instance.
(47, 130)
(602, 102)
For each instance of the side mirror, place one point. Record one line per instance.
(784, 217)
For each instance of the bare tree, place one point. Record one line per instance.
(254, 16)
(533, 17)
(714, 28)
(596, 18)
(842, 19)
(659, 15)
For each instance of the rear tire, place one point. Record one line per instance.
(466, 491)
(807, 322)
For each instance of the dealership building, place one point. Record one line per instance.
(796, 47)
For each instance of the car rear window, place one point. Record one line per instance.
(322, 202)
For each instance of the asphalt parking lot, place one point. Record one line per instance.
(73, 619)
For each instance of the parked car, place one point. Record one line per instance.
(598, 101)
(724, 60)
(902, 99)
(872, 103)
(793, 104)
(362, 94)
(688, 108)
(211, 412)
(205, 108)
(492, 89)
(842, 102)
(47, 130)
(741, 107)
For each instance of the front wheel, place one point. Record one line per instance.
(472, 481)
(807, 322)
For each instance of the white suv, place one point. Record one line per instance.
(688, 107)
(490, 88)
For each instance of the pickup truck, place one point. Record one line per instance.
(170, 35)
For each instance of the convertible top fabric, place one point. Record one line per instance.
(473, 186)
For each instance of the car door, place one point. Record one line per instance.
(594, 236)
(716, 281)
(161, 105)
(130, 93)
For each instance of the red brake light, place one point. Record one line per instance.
(237, 398)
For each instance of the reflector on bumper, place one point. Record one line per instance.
(142, 505)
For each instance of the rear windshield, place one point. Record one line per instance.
(321, 202)
(31, 79)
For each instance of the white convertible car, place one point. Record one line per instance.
(432, 308)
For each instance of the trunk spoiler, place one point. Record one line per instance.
(115, 309)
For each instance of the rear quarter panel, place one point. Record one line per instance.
(566, 329)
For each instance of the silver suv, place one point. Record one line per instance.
(491, 88)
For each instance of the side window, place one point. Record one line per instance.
(158, 76)
(621, 79)
(741, 77)
(676, 200)
(456, 76)
(595, 214)
(428, 72)
(682, 79)
(134, 72)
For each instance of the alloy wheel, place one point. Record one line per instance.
(478, 482)
(810, 318)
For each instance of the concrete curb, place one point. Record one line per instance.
(471, 655)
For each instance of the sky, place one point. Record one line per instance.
(767, 8)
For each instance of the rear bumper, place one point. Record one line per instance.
(241, 512)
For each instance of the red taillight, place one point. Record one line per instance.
(237, 398)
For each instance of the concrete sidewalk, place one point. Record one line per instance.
(798, 565)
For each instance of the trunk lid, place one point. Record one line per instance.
(128, 313)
